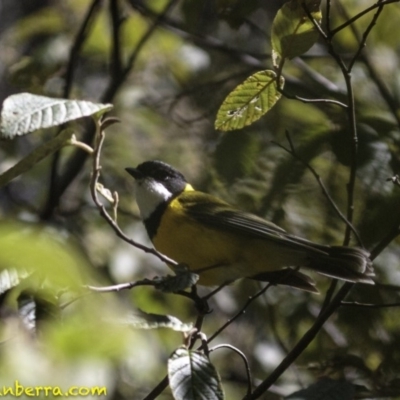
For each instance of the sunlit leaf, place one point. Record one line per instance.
(193, 377)
(293, 33)
(24, 112)
(249, 101)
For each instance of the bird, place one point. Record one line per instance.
(222, 243)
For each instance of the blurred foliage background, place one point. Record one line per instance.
(167, 66)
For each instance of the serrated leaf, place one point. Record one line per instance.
(24, 112)
(142, 320)
(249, 101)
(293, 33)
(325, 389)
(193, 377)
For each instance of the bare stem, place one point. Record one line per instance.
(96, 168)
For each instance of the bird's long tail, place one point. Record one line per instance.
(345, 263)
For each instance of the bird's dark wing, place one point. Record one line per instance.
(350, 264)
(215, 213)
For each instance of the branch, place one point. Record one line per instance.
(96, 168)
(350, 21)
(243, 357)
(294, 154)
(304, 100)
(208, 42)
(353, 125)
(116, 59)
(307, 338)
(363, 40)
(121, 286)
(330, 307)
(391, 235)
(54, 190)
(75, 162)
(390, 100)
(367, 305)
(302, 344)
(164, 382)
(77, 45)
(117, 80)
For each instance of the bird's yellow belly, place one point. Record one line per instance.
(217, 255)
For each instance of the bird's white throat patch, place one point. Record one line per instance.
(149, 195)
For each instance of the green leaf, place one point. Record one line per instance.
(56, 264)
(293, 33)
(325, 389)
(142, 320)
(249, 101)
(24, 112)
(193, 377)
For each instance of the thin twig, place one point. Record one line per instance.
(350, 21)
(78, 44)
(367, 305)
(329, 294)
(335, 303)
(294, 154)
(304, 100)
(215, 291)
(117, 80)
(96, 168)
(273, 327)
(307, 338)
(363, 40)
(390, 236)
(353, 126)
(157, 390)
(201, 40)
(390, 100)
(120, 286)
(116, 58)
(250, 300)
(75, 162)
(83, 146)
(243, 356)
(54, 181)
(328, 16)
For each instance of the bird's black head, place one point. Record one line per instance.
(160, 172)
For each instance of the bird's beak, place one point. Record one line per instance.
(134, 172)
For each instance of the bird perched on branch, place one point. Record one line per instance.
(222, 243)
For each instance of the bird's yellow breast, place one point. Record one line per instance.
(186, 241)
(218, 255)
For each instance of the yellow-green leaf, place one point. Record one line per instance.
(249, 101)
(293, 33)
